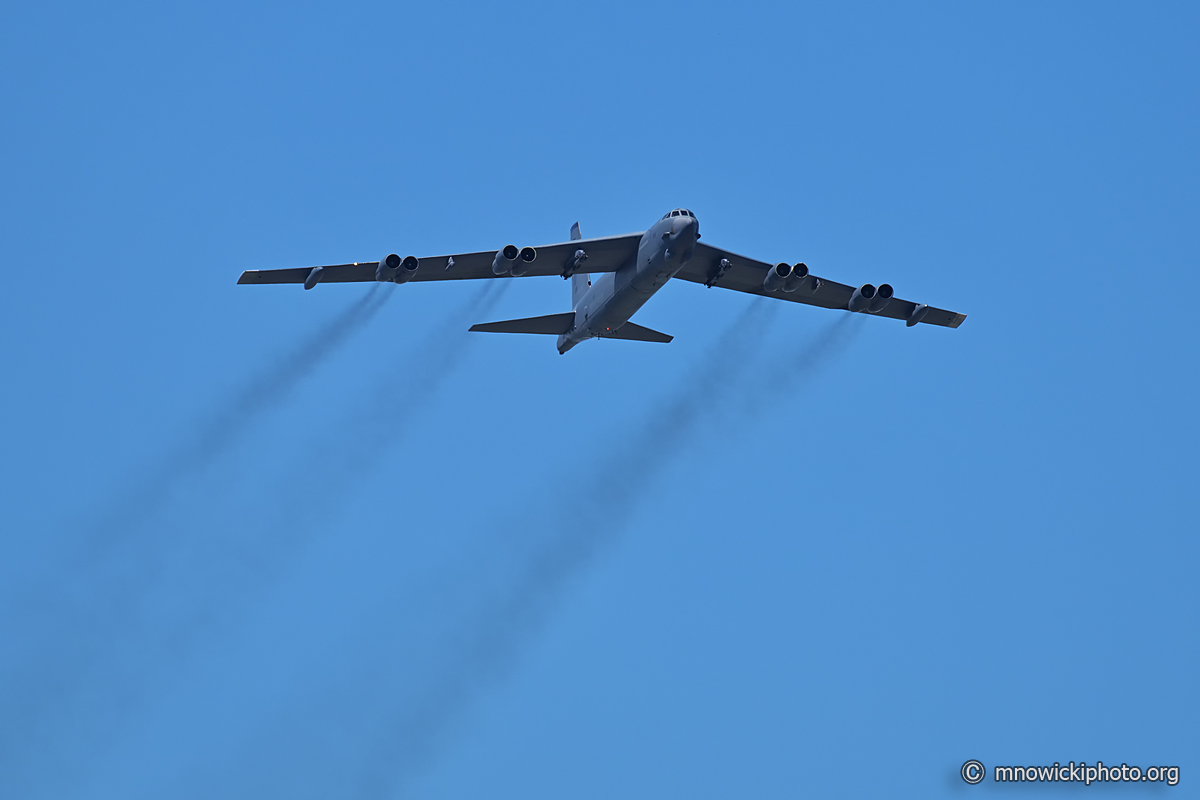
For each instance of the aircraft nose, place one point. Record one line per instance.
(686, 227)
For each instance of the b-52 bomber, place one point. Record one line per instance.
(629, 269)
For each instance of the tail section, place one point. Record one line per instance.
(580, 282)
(554, 324)
(637, 333)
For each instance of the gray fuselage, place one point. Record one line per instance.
(616, 296)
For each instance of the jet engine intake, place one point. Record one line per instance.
(798, 278)
(386, 271)
(505, 259)
(862, 297)
(777, 277)
(408, 269)
(882, 295)
(869, 299)
(524, 259)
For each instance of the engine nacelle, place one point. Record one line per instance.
(862, 297)
(503, 263)
(394, 268)
(869, 299)
(798, 278)
(408, 269)
(882, 295)
(524, 259)
(777, 277)
(386, 271)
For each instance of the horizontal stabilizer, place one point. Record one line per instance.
(553, 324)
(637, 333)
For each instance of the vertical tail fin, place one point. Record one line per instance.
(580, 283)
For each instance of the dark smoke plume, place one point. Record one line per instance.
(787, 369)
(490, 640)
(88, 614)
(109, 645)
(373, 427)
(393, 729)
(216, 435)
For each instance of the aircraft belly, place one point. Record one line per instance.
(620, 307)
(606, 308)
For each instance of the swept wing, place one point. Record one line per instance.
(604, 254)
(747, 275)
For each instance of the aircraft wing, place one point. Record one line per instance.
(604, 254)
(747, 275)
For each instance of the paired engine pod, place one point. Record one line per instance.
(777, 277)
(394, 268)
(869, 299)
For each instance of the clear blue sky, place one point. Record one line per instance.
(432, 565)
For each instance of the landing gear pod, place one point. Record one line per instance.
(777, 277)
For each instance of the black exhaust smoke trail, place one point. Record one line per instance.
(233, 417)
(489, 643)
(387, 748)
(325, 479)
(397, 728)
(491, 639)
(372, 429)
(88, 613)
(786, 370)
(96, 678)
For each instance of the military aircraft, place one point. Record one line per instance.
(630, 269)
